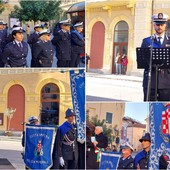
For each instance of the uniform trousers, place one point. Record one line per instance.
(63, 63)
(75, 59)
(163, 94)
(69, 164)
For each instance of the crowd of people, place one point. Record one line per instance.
(67, 43)
(138, 160)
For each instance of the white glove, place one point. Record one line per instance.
(61, 161)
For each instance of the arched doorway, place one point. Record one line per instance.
(120, 43)
(16, 100)
(50, 101)
(97, 46)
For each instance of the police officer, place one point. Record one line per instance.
(43, 50)
(33, 38)
(62, 40)
(10, 38)
(160, 40)
(33, 120)
(2, 41)
(126, 161)
(15, 52)
(65, 147)
(142, 158)
(77, 44)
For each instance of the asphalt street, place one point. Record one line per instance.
(11, 150)
(113, 88)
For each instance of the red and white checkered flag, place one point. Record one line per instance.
(166, 121)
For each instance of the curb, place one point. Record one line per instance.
(116, 77)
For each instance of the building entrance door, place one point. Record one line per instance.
(120, 44)
(118, 48)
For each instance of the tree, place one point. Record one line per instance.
(109, 131)
(2, 8)
(37, 10)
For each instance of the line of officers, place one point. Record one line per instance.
(69, 44)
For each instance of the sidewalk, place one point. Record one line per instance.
(10, 138)
(115, 77)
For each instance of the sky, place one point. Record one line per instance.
(137, 111)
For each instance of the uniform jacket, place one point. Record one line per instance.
(43, 53)
(62, 41)
(141, 159)
(163, 79)
(33, 38)
(2, 45)
(102, 141)
(126, 163)
(14, 56)
(61, 146)
(77, 42)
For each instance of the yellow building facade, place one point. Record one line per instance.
(23, 89)
(111, 112)
(118, 26)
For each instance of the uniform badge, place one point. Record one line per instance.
(160, 16)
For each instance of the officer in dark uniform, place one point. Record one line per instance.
(15, 52)
(142, 158)
(10, 38)
(62, 40)
(161, 40)
(65, 147)
(77, 44)
(2, 41)
(126, 161)
(33, 38)
(43, 50)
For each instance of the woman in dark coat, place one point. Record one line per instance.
(43, 50)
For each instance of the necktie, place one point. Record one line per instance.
(20, 45)
(159, 40)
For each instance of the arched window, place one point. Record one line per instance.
(50, 101)
(121, 32)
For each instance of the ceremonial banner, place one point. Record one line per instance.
(109, 160)
(160, 134)
(38, 146)
(77, 81)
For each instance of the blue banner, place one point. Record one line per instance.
(77, 81)
(38, 146)
(160, 141)
(109, 160)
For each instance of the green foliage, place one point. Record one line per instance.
(2, 8)
(109, 131)
(37, 10)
